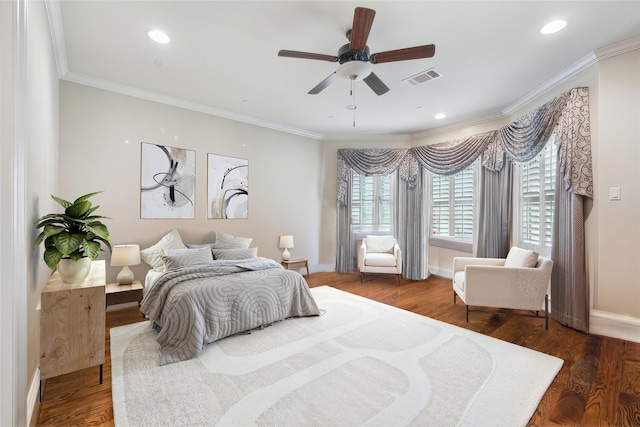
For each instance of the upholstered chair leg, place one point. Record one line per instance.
(399, 278)
(361, 274)
(467, 314)
(546, 312)
(454, 297)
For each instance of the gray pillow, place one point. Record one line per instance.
(199, 246)
(230, 254)
(228, 241)
(175, 258)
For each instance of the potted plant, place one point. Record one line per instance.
(73, 238)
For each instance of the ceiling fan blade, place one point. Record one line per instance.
(418, 52)
(362, 22)
(376, 84)
(323, 84)
(307, 55)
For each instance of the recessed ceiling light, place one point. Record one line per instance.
(440, 116)
(553, 27)
(158, 36)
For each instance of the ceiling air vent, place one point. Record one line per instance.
(422, 78)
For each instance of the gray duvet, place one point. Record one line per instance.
(196, 305)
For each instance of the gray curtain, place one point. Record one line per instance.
(495, 212)
(344, 236)
(411, 228)
(569, 286)
(569, 290)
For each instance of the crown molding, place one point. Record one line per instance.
(54, 16)
(618, 48)
(373, 137)
(491, 117)
(111, 86)
(584, 63)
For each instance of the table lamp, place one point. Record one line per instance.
(125, 255)
(286, 242)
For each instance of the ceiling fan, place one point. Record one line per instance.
(355, 59)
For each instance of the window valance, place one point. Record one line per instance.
(521, 140)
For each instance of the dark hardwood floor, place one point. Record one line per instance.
(598, 385)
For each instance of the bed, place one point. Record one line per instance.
(196, 300)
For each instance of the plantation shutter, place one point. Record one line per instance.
(463, 204)
(371, 203)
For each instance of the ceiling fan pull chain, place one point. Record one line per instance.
(353, 91)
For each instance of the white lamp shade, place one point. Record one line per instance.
(286, 242)
(125, 255)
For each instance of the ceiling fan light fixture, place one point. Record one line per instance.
(359, 69)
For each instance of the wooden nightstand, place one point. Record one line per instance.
(72, 324)
(120, 294)
(294, 264)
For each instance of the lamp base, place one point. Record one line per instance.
(286, 256)
(125, 277)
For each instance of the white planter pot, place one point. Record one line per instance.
(74, 271)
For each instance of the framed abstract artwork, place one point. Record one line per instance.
(228, 187)
(167, 182)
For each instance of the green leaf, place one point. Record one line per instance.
(76, 255)
(68, 242)
(78, 210)
(39, 240)
(52, 257)
(91, 249)
(52, 230)
(99, 230)
(86, 197)
(61, 202)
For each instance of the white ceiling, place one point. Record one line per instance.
(222, 58)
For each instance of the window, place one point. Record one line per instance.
(452, 199)
(535, 198)
(371, 203)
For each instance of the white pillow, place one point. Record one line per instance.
(153, 255)
(382, 244)
(174, 258)
(227, 241)
(518, 257)
(228, 254)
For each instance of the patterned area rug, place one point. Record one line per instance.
(361, 363)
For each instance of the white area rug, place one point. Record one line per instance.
(361, 363)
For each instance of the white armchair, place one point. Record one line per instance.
(380, 254)
(518, 282)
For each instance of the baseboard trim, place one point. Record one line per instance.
(33, 399)
(614, 325)
(441, 272)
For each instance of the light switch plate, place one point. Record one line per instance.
(614, 193)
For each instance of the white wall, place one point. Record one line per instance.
(285, 185)
(42, 171)
(616, 270)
